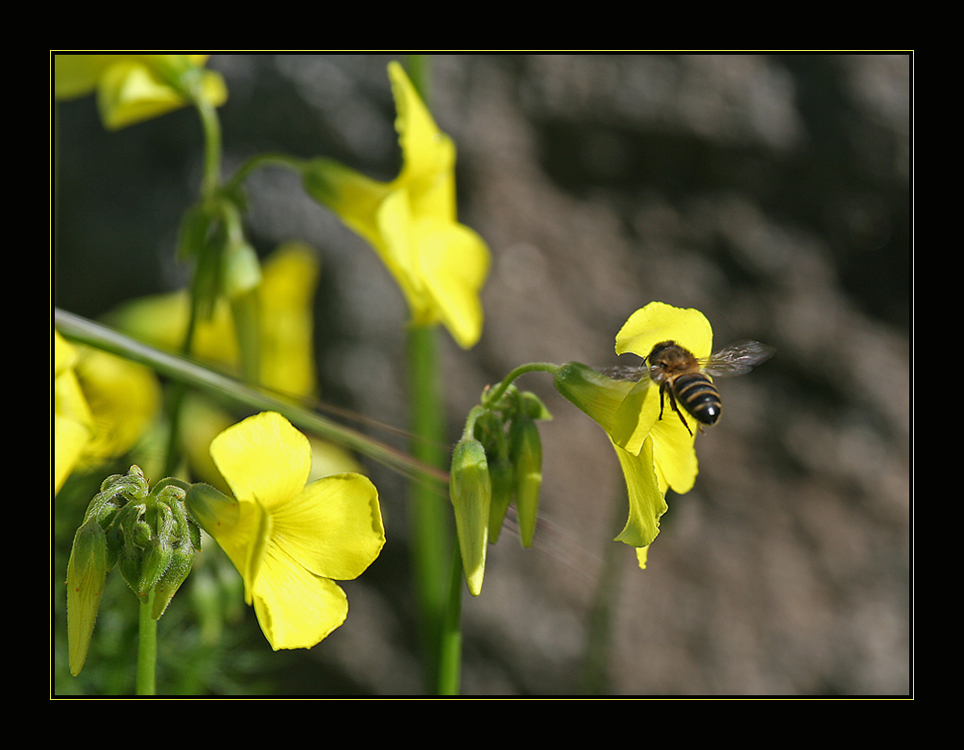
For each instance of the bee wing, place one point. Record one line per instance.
(626, 372)
(737, 359)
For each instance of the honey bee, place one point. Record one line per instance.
(685, 378)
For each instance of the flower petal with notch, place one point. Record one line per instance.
(439, 264)
(289, 541)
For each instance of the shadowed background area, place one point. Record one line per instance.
(769, 191)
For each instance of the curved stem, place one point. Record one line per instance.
(492, 396)
(262, 160)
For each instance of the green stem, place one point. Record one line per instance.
(182, 370)
(493, 395)
(262, 160)
(212, 146)
(146, 648)
(172, 456)
(431, 531)
(450, 660)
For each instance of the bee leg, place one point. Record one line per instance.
(672, 402)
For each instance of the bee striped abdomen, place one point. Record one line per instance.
(699, 397)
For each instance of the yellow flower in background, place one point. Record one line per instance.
(124, 399)
(285, 297)
(103, 405)
(655, 454)
(440, 264)
(290, 542)
(73, 421)
(133, 88)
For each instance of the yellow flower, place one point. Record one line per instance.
(124, 398)
(656, 454)
(411, 222)
(132, 88)
(73, 422)
(285, 298)
(102, 406)
(289, 541)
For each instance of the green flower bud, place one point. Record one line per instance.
(470, 488)
(86, 574)
(533, 407)
(526, 453)
(242, 269)
(502, 475)
(157, 553)
(133, 536)
(184, 539)
(180, 565)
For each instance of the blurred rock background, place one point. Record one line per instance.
(772, 192)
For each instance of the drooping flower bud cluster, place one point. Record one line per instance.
(146, 533)
(497, 462)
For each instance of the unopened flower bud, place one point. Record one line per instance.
(526, 453)
(86, 573)
(181, 562)
(470, 488)
(502, 476)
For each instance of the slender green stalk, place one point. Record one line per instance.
(146, 648)
(183, 370)
(211, 126)
(450, 660)
(431, 529)
(495, 393)
(432, 545)
(262, 160)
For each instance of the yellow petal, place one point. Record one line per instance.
(124, 399)
(658, 322)
(674, 455)
(636, 415)
(263, 459)
(646, 502)
(286, 297)
(77, 75)
(333, 528)
(454, 262)
(73, 421)
(295, 608)
(428, 154)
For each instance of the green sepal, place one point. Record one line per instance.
(210, 507)
(593, 392)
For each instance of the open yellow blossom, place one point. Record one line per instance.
(285, 298)
(289, 541)
(73, 421)
(103, 405)
(655, 454)
(133, 88)
(439, 264)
